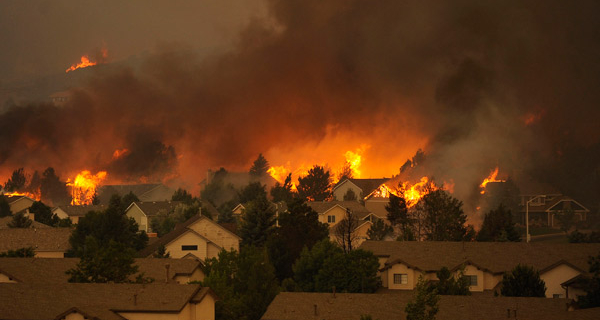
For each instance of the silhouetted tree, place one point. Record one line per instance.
(251, 192)
(379, 230)
(523, 281)
(258, 222)
(161, 252)
(183, 196)
(449, 284)
(28, 252)
(315, 185)
(43, 214)
(592, 291)
(424, 305)
(443, 217)
(101, 263)
(397, 215)
(345, 231)
(53, 190)
(19, 220)
(127, 200)
(16, 181)
(283, 192)
(4, 207)
(567, 219)
(346, 172)
(498, 226)
(259, 167)
(34, 183)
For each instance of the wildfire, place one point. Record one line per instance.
(490, 178)
(412, 193)
(354, 159)
(86, 62)
(279, 173)
(33, 196)
(119, 153)
(83, 187)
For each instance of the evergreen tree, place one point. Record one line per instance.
(448, 284)
(311, 262)
(315, 185)
(398, 216)
(259, 167)
(379, 230)
(19, 220)
(16, 182)
(251, 192)
(4, 207)
(183, 196)
(498, 226)
(127, 200)
(592, 292)
(111, 262)
(346, 172)
(283, 192)
(567, 219)
(28, 252)
(523, 281)
(258, 222)
(43, 214)
(161, 252)
(443, 217)
(424, 305)
(53, 190)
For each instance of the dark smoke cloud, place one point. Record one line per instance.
(463, 74)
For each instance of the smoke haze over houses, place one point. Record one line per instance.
(475, 85)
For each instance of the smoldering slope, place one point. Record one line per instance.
(476, 85)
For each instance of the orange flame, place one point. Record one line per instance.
(354, 159)
(83, 187)
(86, 62)
(33, 196)
(490, 178)
(412, 193)
(119, 153)
(279, 173)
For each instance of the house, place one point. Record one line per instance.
(543, 208)
(46, 242)
(279, 207)
(106, 301)
(144, 192)
(199, 237)
(332, 212)
(19, 203)
(76, 212)
(484, 263)
(44, 270)
(360, 187)
(144, 211)
(391, 306)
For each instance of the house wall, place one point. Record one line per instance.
(554, 277)
(213, 250)
(337, 211)
(49, 254)
(217, 234)
(361, 233)
(471, 270)
(377, 207)
(74, 219)
(20, 204)
(6, 279)
(60, 213)
(400, 268)
(574, 293)
(490, 281)
(205, 310)
(188, 238)
(74, 316)
(140, 218)
(155, 315)
(341, 190)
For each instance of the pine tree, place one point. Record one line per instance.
(424, 305)
(315, 186)
(258, 222)
(259, 167)
(523, 281)
(19, 220)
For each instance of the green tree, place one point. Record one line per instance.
(183, 196)
(16, 181)
(19, 220)
(567, 219)
(28, 252)
(424, 305)
(259, 167)
(311, 262)
(43, 214)
(245, 283)
(498, 226)
(53, 190)
(111, 262)
(161, 252)
(283, 192)
(449, 284)
(4, 207)
(443, 217)
(162, 223)
(523, 281)
(379, 230)
(258, 222)
(34, 183)
(251, 192)
(286, 244)
(592, 292)
(315, 186)
(397, 215)
(127, 200)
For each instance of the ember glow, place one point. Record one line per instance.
(354, 159)
(411, 192)
(86, 62)
(119, 153)
(490, 178)
(35, 197)
(83, 187)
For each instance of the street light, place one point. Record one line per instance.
(527, 215)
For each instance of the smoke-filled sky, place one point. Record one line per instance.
(475, 84)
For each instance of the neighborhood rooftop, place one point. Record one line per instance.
(43, 239)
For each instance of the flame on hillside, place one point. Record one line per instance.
(490, 178)
(412, 193)
(86, 62)
(83, 187)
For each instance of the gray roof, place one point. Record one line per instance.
(152, 208)
(495, 257)
(52, 270)
(4, 221)
(80, 211)
(350, 306)
(43, 239)
(96, 300)
(322, 206)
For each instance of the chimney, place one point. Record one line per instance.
(167, 266)
(135, 299)
(316, 313)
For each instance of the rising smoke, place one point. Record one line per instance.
(475, 84)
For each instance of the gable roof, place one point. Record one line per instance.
(98, 300)
(496, 257)
(152, 208)
(140, 190)
(343, 306)
(43, 239)
(557, 203)
(80, 211)
(4, 221)
(52, 270)
(177, 232)
(366, 185)
(321, 207)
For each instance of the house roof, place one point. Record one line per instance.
(43, 239)
(98, 300)
(11, 199)
(140, 190)
(323, 206)
(495, 257)
(52, 270)
(80, 211)
(152, 208)
(176, 233)
(366, 185)
(4, 221)
(306, 306)
(557, 203)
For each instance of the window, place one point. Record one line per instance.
(400, 278)
(189, 248)
(472, 280)
(330, 219)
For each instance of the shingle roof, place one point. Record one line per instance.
(105, 192)
(4, 221)
(80, 211)
(496, 257)
(47, 301)
(46, 239)
(152, 208)
(346, 306)
(51, 270)
(323, 206)
(366, 185)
